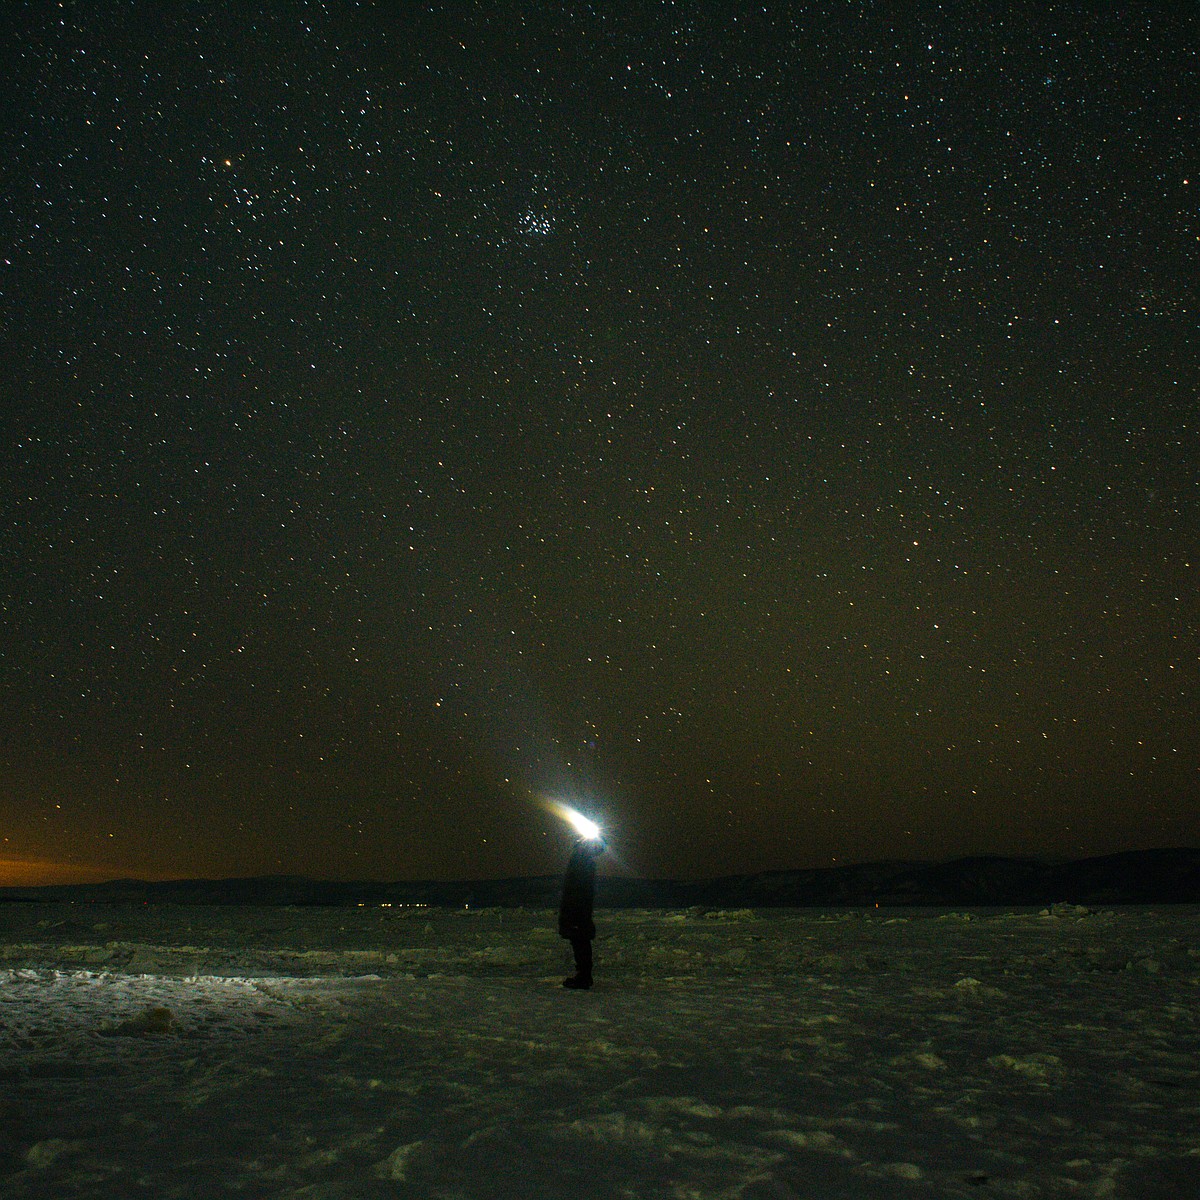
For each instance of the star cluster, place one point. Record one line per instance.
(773, 427)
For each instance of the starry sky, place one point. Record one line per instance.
(771, 429)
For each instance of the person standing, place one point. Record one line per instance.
(575, 922)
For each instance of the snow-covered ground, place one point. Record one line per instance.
(329, 1053)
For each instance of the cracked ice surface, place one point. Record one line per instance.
(178, 1052)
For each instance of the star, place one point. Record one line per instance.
(535, 224)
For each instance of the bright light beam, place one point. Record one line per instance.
(582, 825)
(587, 829)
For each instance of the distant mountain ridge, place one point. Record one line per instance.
(1168, 876)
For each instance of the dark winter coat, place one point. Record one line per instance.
(579, 891)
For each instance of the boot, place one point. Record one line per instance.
(578, 981)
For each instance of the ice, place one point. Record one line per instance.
(194, 1052)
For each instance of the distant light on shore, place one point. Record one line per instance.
(38, 872)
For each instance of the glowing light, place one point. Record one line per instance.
(38, 872)
(586, 829)
(584, 826)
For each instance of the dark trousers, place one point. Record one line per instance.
(582, 949)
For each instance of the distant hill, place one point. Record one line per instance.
(1135, 877)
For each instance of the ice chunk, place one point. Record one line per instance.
(395, 1166)
(150, 1022)
(43, 1154)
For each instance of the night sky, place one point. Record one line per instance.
(773, 430)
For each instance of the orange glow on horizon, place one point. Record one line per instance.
(41, 872)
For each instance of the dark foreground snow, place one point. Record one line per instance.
(329, 1053)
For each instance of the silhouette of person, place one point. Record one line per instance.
(575, 912)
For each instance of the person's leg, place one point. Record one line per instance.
(583, 958)
(582, 949)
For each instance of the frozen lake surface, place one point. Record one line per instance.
(383, 1052)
